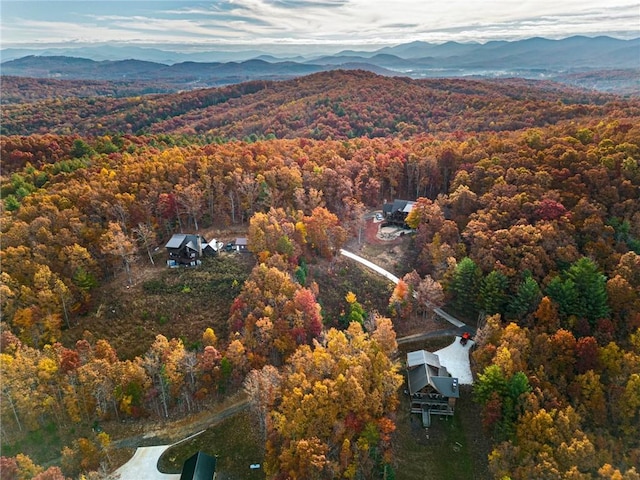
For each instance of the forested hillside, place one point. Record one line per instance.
(26, 89)
(337, 105)
(527, 215)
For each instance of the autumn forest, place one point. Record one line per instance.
(526, 226)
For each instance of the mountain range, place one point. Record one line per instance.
(565, 60)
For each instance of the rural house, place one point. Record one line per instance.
(396, 212)
(239, 245)
(188, 249)
(199, 466)
(432, 390)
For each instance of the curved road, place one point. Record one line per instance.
(371, 265)
(144, 463)
(455, 356)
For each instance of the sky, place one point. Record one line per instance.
(190, 24)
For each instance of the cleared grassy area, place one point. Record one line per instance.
(42, 445)
(233, 441)
(452, 447)
(344, 276)
(174, 302)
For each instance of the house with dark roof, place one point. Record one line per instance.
(199, 466)
(187, 249)
(431, 388)
(396, 212)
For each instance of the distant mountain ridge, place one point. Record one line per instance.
(531, 58)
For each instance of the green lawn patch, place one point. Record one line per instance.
(344, 276)
(450, 449)
(44, 445)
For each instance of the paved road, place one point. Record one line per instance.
(441, 313)
(417, 337)
(171, 434)
(144, 463)
(371, 265)
(456, 358)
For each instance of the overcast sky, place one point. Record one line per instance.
(324, 22)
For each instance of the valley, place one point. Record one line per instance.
(519, 203)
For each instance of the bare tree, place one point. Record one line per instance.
(262, 387)
(147, 237)
(429, 294)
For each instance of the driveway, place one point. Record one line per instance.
(456, 358)
(144, 465)
(371, 265)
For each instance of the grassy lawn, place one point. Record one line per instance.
(44, 445)
(41, 445)
(174, 302)
(452, 448)
(233, 441)
(373, 291)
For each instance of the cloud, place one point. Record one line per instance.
(303, 4)
(319, 22)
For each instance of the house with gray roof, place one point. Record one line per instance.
(432, 390)
(187, 249)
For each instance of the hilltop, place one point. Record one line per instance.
(335, 104)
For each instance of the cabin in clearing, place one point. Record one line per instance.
(396, 213)
(187, 249)
(431, 388)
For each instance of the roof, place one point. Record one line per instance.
(418, 378)
(401, 205)
(176, 240)
(199, 467)
(447, 386)
(408, 207)
(424, 368)
(241, 241)
(214, 244)
(420, 357)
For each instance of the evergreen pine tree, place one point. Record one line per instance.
(526, 299)
(465, 285)
(493, 293)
